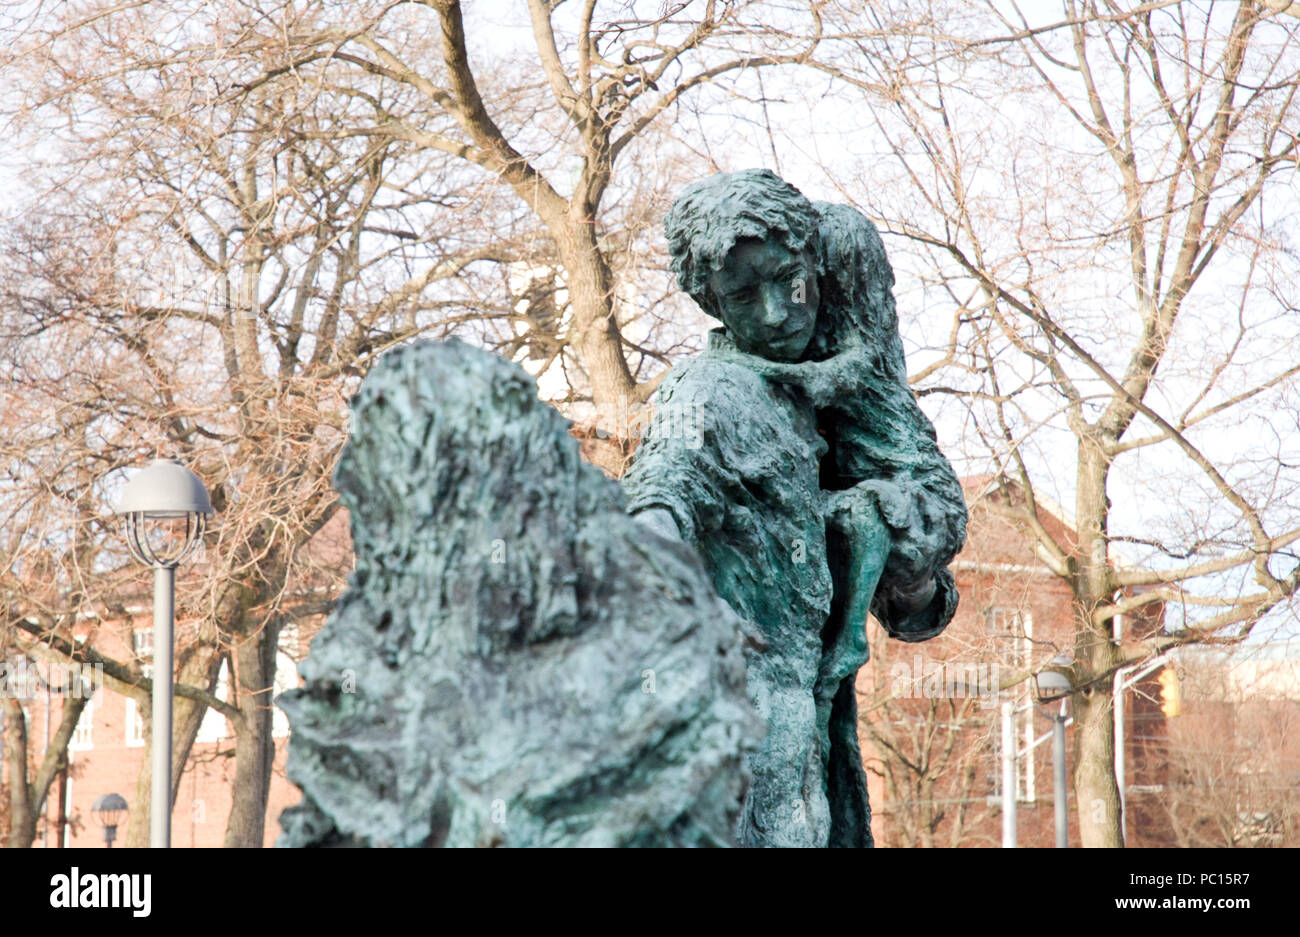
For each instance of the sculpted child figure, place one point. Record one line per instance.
(812, 488)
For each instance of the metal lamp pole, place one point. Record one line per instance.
(163, 491)
(1058, 778)
(1008, 774)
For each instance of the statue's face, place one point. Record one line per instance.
(768, 298)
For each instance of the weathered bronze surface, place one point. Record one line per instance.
(811, 483)
(518, 661)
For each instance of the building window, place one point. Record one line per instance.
(1012, 631)
(213, 728)
(83, 734)
(134, 724)
(286, 676)
(142, 644)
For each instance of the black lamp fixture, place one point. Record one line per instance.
(110, 810)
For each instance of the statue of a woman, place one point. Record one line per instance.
(810, 483)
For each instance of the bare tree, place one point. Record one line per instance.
(931, 752)
(28, 784)
(607, 78)
(250, 223)
(1232, 763)
(1094, 197)
(235, 209)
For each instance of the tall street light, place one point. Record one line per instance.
(1055, 683)
(166, 507)
(109, 810)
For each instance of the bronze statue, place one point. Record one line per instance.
(812, 487)
(518, 662)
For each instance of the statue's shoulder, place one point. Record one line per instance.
(710, 378)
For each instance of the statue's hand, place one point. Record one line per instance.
(904, 599)
(661, 521)
(908, 584)
(844, 374)
(823, 382)
(889, 497)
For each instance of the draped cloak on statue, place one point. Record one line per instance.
(734, 452)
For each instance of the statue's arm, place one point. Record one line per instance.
(672, 486)
(845, 374)
(917, 595)
(886, 449)
(912, 597)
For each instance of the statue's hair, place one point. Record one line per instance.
(711, 215)
(856, 285)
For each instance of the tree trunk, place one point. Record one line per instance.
(254, 744)
(929, 819)
(27, 793)
(1096, 792)
(22, 816)
(62, 826)
(598, 340)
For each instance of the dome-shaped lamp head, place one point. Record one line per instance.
(110, 811)
(163, 490)
(1055, 680)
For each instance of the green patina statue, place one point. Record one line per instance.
(810, 483)
(516, 661)
(519, 662)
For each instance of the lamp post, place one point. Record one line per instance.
(1008, 716)
(1054, 683)
(154, 503)
(109, 809)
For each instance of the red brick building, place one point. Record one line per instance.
(1231, 758)
(107, 752)
(930, 725)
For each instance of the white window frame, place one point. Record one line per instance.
(1002, 621)
(214, 726)
(133, 729)
(83, 736)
